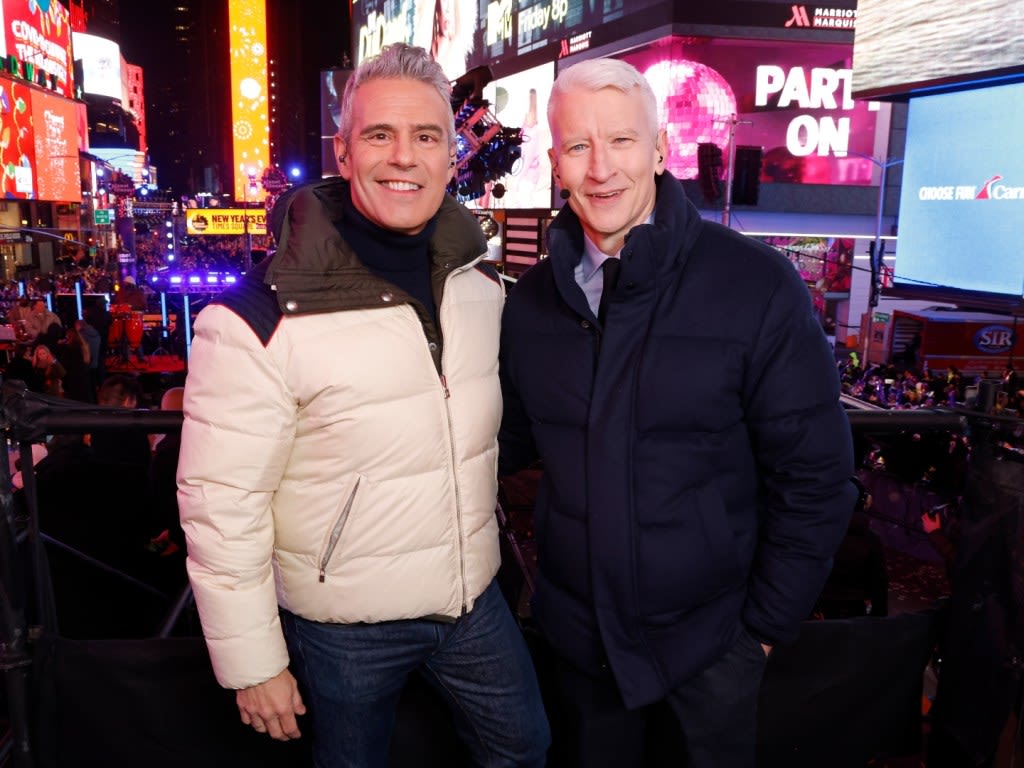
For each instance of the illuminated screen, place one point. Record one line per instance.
(903, 45)
(962, 196)
(101, 65)
(521, 101)
(790, 99)
(225, 221)
(332, 86)
(17, 140)
(462, 34)
(445, 28)
(38, 32)
(250, 126)
(56, 144)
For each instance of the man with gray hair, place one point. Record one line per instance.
(336, 477)
(672, 377)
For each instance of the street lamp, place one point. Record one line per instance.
(876, 252)
(876, 248)
(250, 189)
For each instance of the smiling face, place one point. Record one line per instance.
(399, 156)
(606, 154)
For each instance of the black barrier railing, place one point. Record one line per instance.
(29, 417)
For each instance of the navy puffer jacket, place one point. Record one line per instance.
(697, 460)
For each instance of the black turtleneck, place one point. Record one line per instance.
(403, 260)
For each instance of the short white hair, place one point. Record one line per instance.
(596, 74)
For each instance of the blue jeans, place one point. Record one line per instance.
(353, 674)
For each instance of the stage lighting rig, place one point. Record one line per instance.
(485, 149)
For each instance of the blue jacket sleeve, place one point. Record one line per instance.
(803, 445)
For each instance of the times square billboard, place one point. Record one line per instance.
(38, 32)
(40, 156)
(788, 83)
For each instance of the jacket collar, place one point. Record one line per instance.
(315, 270)
(654, 248)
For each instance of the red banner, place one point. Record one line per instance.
(58, 174)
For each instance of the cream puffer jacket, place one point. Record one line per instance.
(333, 471)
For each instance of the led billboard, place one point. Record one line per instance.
(38, 33)
(332, 86)
(467, 33)
(250, 125)
(58, 174)
(225, 221)
(907, 45)
(521, 101)
(17, 140)
(101, 65)
(792, 99)
(443, 27)
(462, 34)
(962, 195)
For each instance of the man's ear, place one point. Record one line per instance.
(341, 154)
(661, 145)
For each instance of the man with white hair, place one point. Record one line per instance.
(672, 377)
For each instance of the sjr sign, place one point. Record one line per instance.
(994, 339)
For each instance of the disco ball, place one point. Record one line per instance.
(695, 104)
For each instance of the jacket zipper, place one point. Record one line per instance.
(339, 524)
(458, 493)
(454, 454)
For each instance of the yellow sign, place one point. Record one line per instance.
(250, 107)
(225, 221)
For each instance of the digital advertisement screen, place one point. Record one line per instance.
(17, 140)
(38, 32)
(249, 113)
(332, 86)
(521, 101)
(462, 34)
(962, 196)
(903, 45)
(101, 65)
(58, 174)
(445, 28)
(791, 99)
(225, 221)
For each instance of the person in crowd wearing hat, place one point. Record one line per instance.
(131, 294)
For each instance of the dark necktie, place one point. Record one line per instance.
(610, 267)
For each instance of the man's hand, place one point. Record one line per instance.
(271, 707)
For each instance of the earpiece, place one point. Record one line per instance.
(341, 158)
(451, 164)
(661, 158)
(564, 194)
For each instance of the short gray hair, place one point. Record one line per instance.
(394, 62)
(595, 74)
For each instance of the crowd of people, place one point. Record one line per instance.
(893, 386)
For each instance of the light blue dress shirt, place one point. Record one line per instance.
(588, 273)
